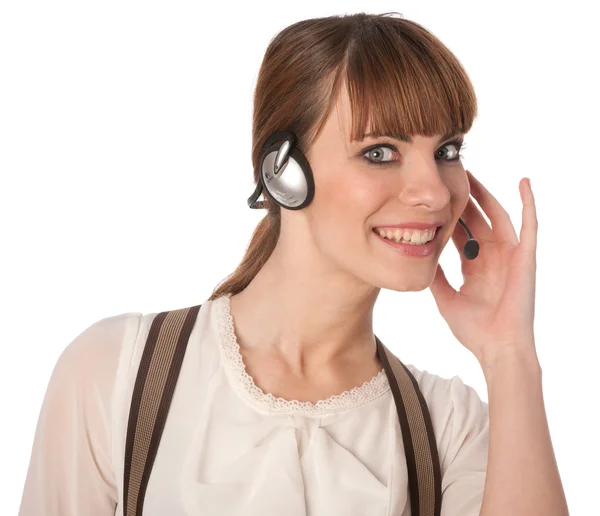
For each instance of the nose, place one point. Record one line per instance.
(422, 184)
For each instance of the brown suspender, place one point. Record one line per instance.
(420, 448)
(155, 383)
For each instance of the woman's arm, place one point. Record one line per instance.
(492, 316)
(70, 471)
(522, 475)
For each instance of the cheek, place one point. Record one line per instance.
(341, 208)
(459, 191)
(349, 201)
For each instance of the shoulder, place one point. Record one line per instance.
(441, 391)
(448, 398)
(459, 416)
(86, 372)
(96, 349)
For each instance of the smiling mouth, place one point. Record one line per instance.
(405, 242)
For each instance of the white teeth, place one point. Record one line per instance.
(407, 236)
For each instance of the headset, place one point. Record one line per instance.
(295, 189)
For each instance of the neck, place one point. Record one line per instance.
(306, 313)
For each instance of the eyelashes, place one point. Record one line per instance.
(458, 143)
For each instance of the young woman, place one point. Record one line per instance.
(282, 405)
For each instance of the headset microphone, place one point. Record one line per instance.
(296, 188)
(471, 247)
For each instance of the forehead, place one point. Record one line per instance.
(341, 122)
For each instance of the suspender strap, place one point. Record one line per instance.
(155, 384)
(422, 460)
(152, 393)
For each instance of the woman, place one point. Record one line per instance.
(282, 405)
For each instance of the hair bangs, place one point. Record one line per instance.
(402, 81)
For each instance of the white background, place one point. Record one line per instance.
(125, 140)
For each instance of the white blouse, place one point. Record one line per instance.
(229, 449)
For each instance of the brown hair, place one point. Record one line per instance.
(399, 77)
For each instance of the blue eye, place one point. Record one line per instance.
(379, 150)
(456, 156)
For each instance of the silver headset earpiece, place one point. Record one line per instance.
(286, 176)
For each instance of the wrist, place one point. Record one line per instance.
(522, 355)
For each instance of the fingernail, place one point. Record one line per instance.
(529, 180)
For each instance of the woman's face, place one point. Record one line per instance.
(353, 197)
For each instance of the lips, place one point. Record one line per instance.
(410, 250)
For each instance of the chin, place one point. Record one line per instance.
(409, 280)
(409, 287)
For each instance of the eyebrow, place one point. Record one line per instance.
(408, 139)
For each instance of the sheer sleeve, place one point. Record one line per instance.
(70, 471)
(464, 478)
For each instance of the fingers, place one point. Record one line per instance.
(529, 227)
(499, 217)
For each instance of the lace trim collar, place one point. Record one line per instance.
(353, 398)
